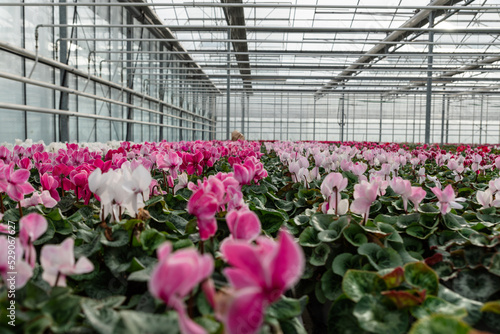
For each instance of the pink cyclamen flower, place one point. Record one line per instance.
(170, 161)
(260, 274)
(331, 187)
(17, 184)
(58, 261)
(23, 269)
(402, 187)
(485, 198)
(175, 275)
(43, 198)
(244, 173)
(447, 199)
(193, 163)
(50, 183)
(365, 194)
(243, 224)
(204, 206)
(32, 227)
(417, 195)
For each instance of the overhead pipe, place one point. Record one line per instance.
(474, 30)
(22, 107)
(254, 5)
(47, 85)
(271, 41)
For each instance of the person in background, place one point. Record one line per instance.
(236, 135)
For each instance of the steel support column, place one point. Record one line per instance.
(228, 87)
(481, 121)
(380, 120)
(243, 100)
(314, 120)
(428, 103)
(63, 55)
(443, 111)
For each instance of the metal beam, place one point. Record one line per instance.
(235, 16)
(397, 34)
(428, 99)
(256, 5)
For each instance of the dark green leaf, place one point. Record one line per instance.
(358, 283)
(309, 238)
(375, 317)
(420, 275)
(320, 255)
(434, 305)
(439, 324)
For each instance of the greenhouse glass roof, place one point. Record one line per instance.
(315, 46)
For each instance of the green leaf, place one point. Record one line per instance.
(404, 221)
(355, 234)
(284, 205)
(301, 219)
(341, 318)
(476, 284)
(335, 230)
(140, 322)
(158, 213)
(292, 326)
(375, 317)
(38, 325)
(48, 235)
(393, 234)
(439, 324)
(391, 220)
(435, 305)
(380, 258)
(117, 259)
(176, 223)
(491, 307)
(151, 239)
(358, 283)
(454, 222)
(420, 232)
(494, 266)
(320, 255)
(286, 308)
(420, 275)
(309, 238)
(141, 275)
(428, 209)
(63, 310)
(120, 238)
(346, 261)
(88, 249)
(331, 285)
(321, 221)
(473, 307)
(271, 220)
(394, 278)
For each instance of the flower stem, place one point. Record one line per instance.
(20, 209)
(57, 278)
(2, 208)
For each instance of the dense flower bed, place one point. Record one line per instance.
(248, 237)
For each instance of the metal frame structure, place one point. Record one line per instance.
(351, 71)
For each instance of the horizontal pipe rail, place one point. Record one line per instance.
(313, 53)
(253, 5)
(22, 107)
(53, 63)
(197, 28)
(87, 95)
(276, 41)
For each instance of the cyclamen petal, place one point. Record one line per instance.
(243, 224)
(244, 311)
